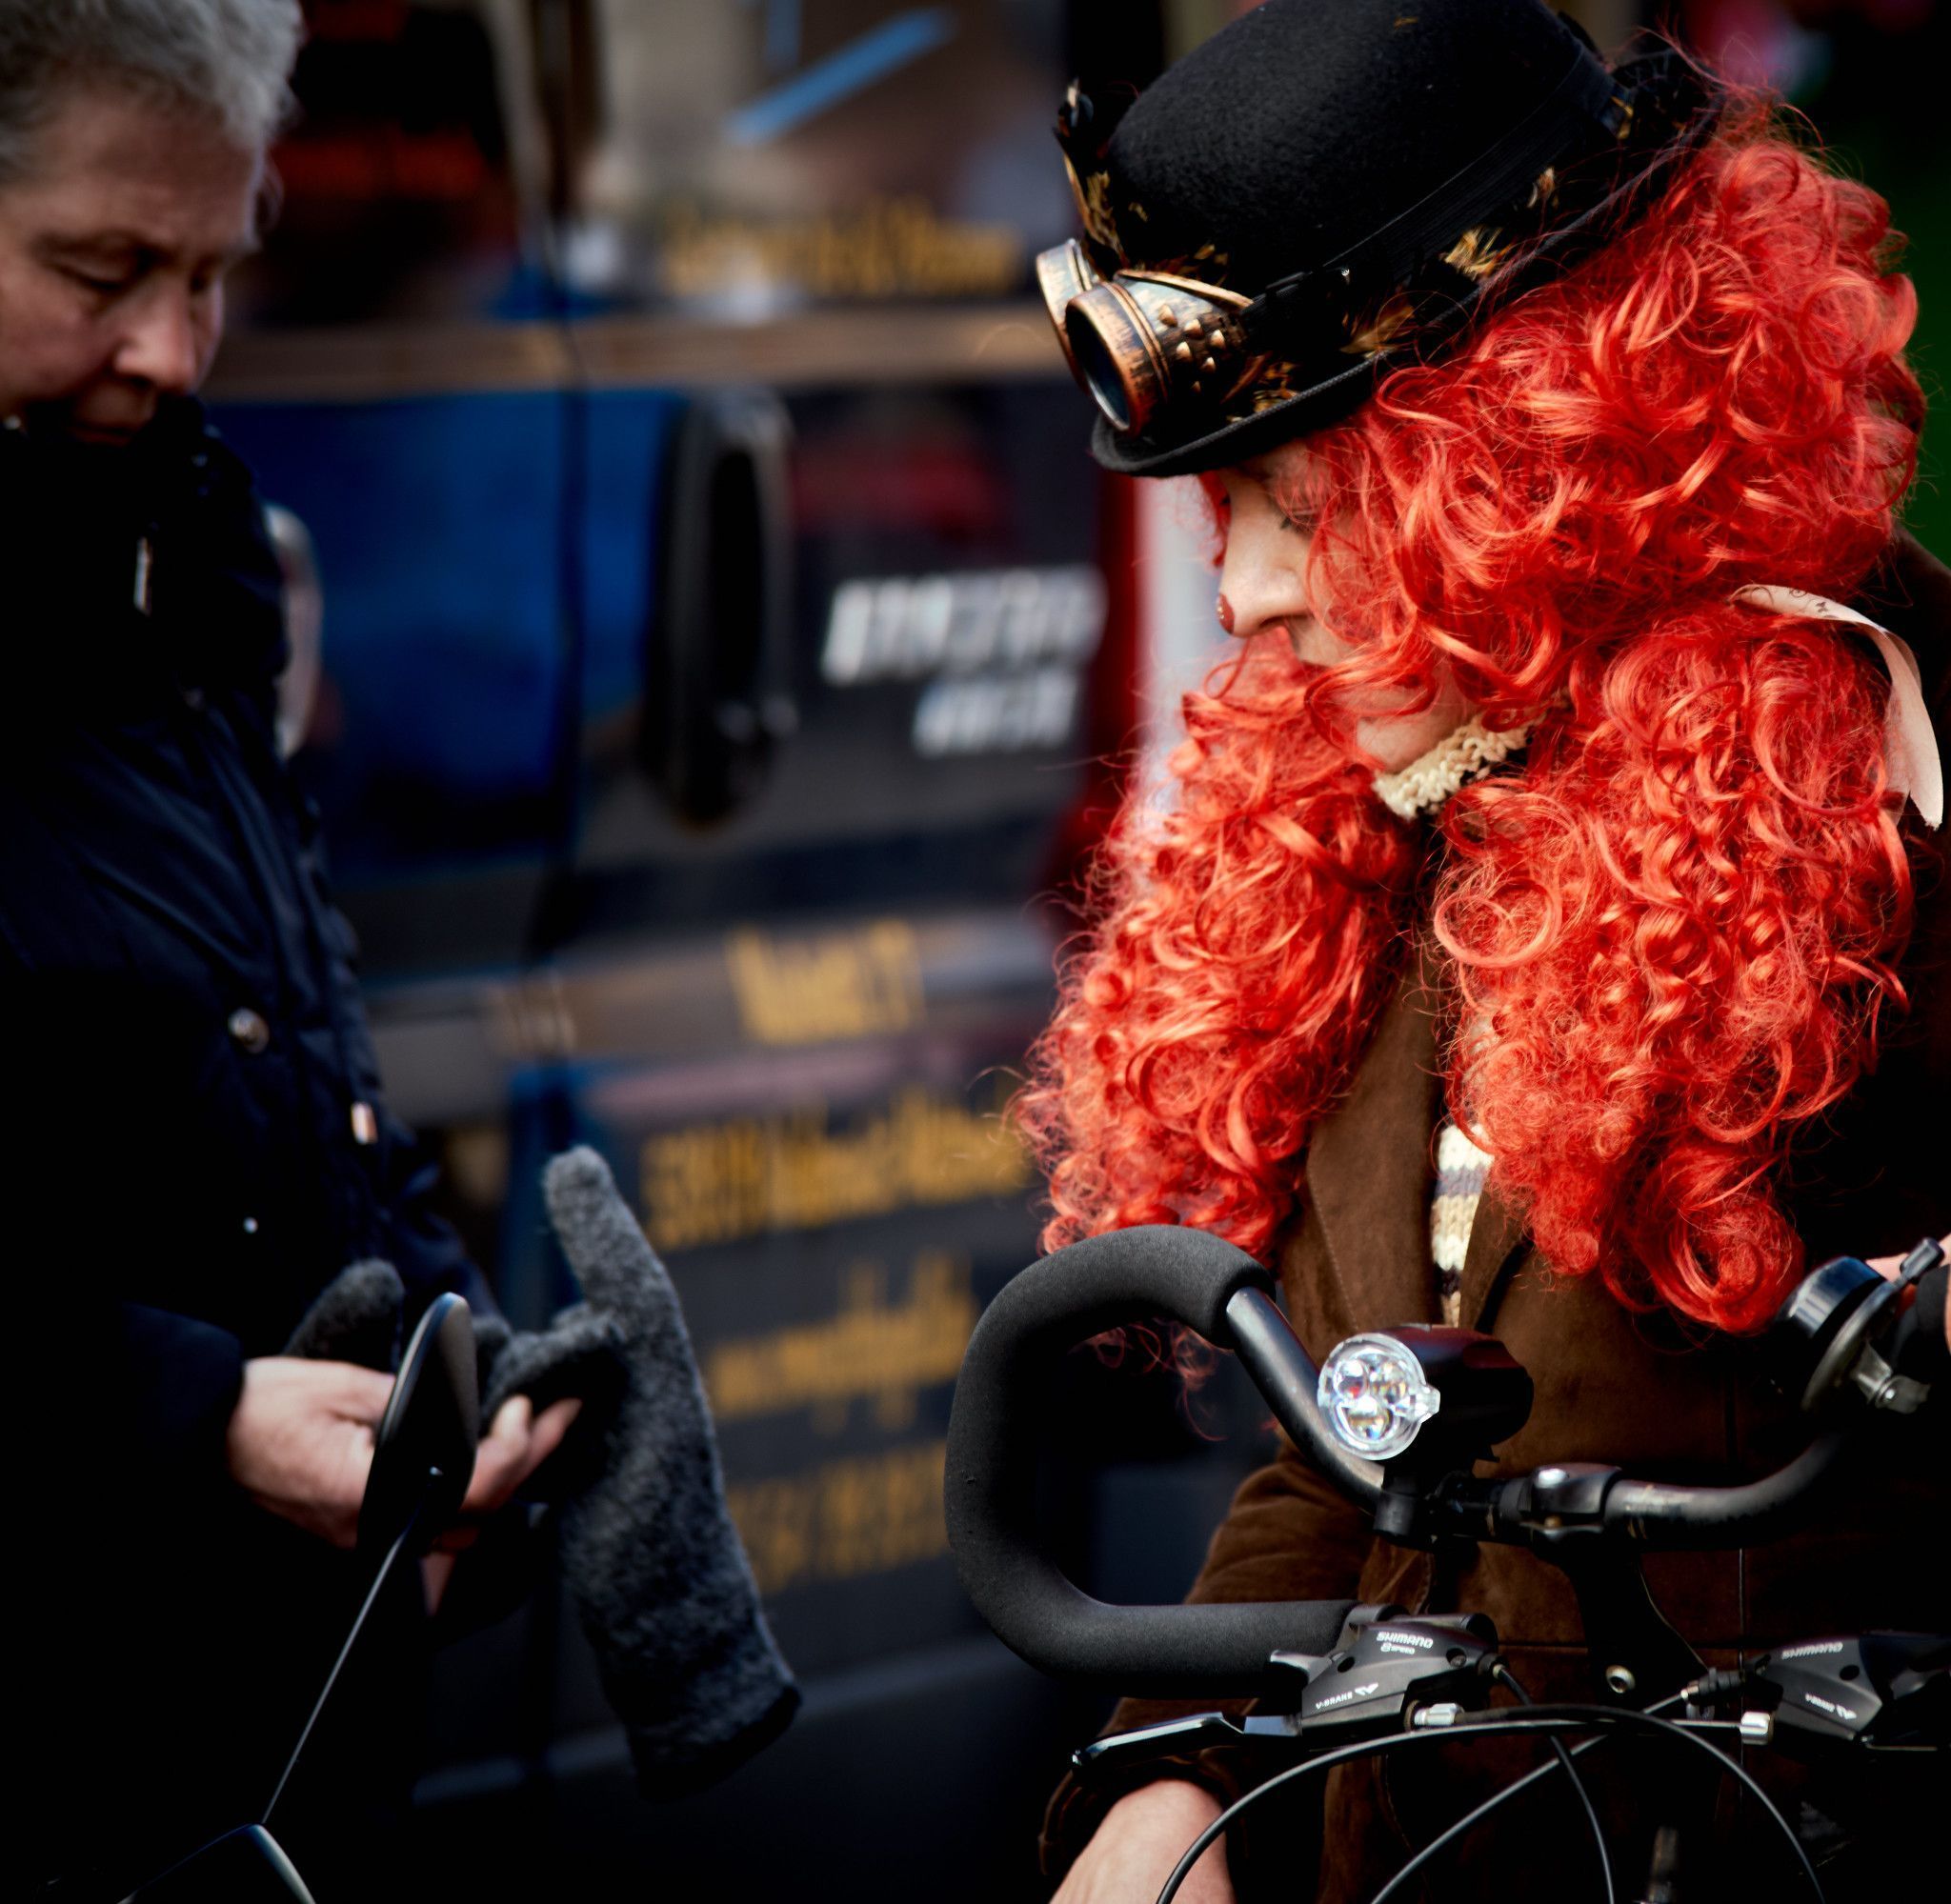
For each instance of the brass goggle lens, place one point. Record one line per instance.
(1143, 340)
(1115, 355)
(1063, 272)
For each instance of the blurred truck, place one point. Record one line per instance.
(708, 629)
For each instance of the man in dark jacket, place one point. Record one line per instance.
(196, 1142)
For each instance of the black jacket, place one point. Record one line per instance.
(194, 1138)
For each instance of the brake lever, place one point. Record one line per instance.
(1179, 1740)
(1387, 1666)
(1881, 1692)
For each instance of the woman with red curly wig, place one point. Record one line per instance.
(1542, 932)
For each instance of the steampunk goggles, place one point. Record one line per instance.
(1138, 341)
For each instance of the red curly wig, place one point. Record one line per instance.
(1671, 930)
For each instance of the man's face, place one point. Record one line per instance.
(113, 254)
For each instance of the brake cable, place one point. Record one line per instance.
(1536, 1719)
(1503, 1675)
(1452, 1832)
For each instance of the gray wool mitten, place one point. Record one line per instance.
(659, 1579)
(357, 1318)
(662, 1585)
(576, 1354)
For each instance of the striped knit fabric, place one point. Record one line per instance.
(1461, 1169)
(1423, 787)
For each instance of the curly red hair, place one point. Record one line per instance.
(1672, 930)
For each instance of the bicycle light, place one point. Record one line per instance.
(1380, 1391)
(1375, 1396)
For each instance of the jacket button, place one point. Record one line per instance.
(251, 1034)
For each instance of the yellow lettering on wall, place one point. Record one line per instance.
(889, 248)
(867, 1515)
(717, 1183)
(806, 991)
(871, 1348)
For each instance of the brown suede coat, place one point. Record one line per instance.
(1612, 1387)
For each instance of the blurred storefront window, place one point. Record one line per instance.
(755, 156)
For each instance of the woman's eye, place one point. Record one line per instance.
(1217, 499)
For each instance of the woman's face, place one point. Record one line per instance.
(1263, 590)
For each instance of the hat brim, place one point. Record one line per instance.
(1343, 393)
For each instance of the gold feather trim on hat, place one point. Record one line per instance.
(1093, 194)
(1392, 317)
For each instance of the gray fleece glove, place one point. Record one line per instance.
(660, 1581)
(357, 1318)
(662, 1584)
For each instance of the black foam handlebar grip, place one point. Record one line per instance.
(1124, 1276)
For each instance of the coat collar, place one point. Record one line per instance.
(1370, 1172)
(1497, 1240)
(135, 571)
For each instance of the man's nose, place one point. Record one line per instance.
(162, 344)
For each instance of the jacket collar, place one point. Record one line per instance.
(1370, 1172)
(137, 568)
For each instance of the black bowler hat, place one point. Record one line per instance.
(1327, 189)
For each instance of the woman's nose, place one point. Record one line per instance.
(1262, 578)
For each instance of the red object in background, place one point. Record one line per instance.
(384, 164)
(381, 20)
(1115, 691)
(865, 482)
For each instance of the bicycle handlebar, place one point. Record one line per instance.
(1099, 1284)
(1199, 1280)
(1668, 1514)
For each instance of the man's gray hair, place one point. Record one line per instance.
(229, 60)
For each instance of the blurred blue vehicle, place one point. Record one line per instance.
(708, 622)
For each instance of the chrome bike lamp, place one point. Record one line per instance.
(1374, 1395)
(1421, 1400)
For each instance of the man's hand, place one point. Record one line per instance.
(1142, 1839)
(300, 1445)
(300, 1441)
(518, 1442)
